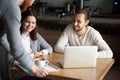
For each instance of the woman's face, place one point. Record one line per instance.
(29, 24)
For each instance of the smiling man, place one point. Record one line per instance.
(80, 34)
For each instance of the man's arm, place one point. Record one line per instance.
(104, 50)
(61, 43)
(12, 19)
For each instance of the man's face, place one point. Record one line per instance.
(26, 4)
(79, 22)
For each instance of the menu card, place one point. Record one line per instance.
(50, 67)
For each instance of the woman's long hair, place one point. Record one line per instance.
(25, 14)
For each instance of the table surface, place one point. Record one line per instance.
(97, 73)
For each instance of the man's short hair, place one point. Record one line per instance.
(83, 11)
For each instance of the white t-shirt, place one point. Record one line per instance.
(26, 43)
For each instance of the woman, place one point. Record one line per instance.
(32, 41)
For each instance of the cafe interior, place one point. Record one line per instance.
(54, 15)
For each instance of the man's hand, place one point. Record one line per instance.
(39, 71)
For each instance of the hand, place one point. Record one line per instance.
(37, 54)
(39, 71)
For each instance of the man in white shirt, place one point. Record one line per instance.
(80, 34)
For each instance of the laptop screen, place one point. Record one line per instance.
(80, 56)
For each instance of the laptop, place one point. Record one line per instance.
(79, 56)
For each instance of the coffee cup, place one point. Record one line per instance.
(42, 63)
(32, 56)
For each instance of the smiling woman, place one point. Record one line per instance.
(30, 36)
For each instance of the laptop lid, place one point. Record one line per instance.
(80, 56)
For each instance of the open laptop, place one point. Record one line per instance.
(79, 56)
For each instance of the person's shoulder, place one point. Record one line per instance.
(68, 27)
(38, 35)
(92, 29)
